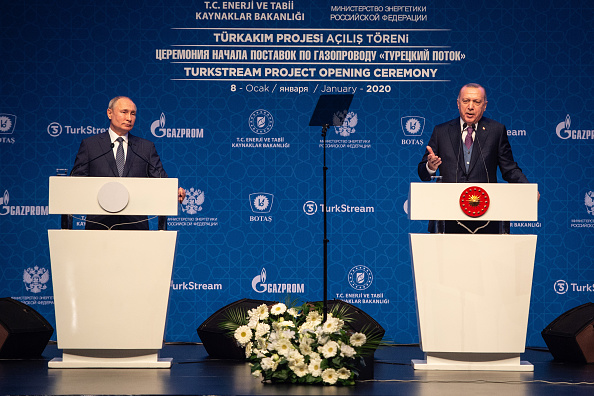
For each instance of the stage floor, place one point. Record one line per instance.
(194, 373)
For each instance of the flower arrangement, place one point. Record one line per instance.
(289, 344)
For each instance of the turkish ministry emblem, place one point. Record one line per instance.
(474, 201)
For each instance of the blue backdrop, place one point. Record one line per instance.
(226, 90)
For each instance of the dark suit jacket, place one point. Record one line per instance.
(490, 141)
(95, 158)
(491, 150)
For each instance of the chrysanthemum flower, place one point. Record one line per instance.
(347, 351)
(262, 329)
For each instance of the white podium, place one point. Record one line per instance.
(472, 291)
(111, 288)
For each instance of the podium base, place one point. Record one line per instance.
(456, 361)
(110, 358)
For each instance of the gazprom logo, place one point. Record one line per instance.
(565, 132)
(20, 210)
(259, 285)
(158, 130)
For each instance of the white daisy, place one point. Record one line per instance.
(262, 311)
(243, 334)
(343, 373)
(358, 339)
(278, 309)
(300, 369)
(330, 376)
(283, 346)
(315, 367)
(332, 325)
(330, 349)
(313, 316)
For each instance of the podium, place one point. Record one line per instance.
(111, 288)
(472, 291)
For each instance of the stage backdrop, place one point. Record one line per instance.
(225, 90)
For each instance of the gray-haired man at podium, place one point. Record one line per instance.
(468, 149)
(117, 153)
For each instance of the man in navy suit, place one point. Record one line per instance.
(469, 149)
(97, 157)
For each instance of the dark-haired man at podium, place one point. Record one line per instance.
(117, 153)
(468, 149)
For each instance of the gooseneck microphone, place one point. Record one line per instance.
(483, 158)
(131, 147)
(487, 173)
(162, 221)
(66, 220)
(93, 159)
(458, 156)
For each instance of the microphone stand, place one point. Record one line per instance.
(325, 168)
(330, 110)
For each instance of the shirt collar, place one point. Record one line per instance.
(463, 125)
(113, 136)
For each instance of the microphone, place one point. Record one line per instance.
(483, 158)
(458, 159)
(162, 220)
(91, 160)
(130, 146)
(487, 172)
(66, 220)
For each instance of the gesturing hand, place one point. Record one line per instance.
(433, 161)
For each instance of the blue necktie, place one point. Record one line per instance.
(120, 157)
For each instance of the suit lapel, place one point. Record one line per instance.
(456, 140)
(129, 155)
(481, 137)
(105, 143)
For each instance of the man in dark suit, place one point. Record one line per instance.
(118, 153)
(469, 149)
